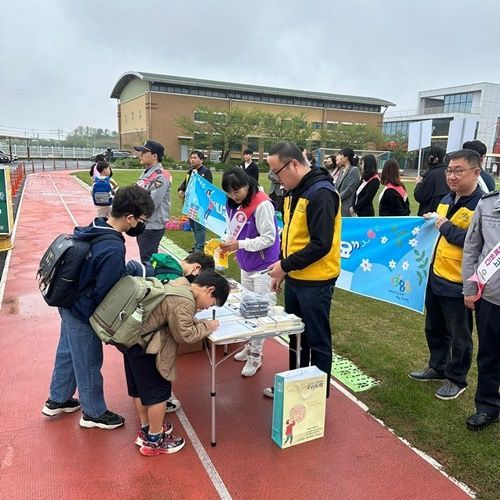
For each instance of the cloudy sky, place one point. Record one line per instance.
(61, 58)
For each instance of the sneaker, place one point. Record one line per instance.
(51, 408)
(166, 444)
(172, 405)
(269, 392)
(108, 420)
(243, 354)
(480, 421)
(426, 375)
(449, 390)
(142, 437)
(252, 365)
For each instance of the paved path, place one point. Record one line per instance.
(46, 458)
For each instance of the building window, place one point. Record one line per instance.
(316, 125)
(458, 103)
(395, 128)
(260, 97)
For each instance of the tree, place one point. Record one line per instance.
(276, 127)
(215, 128)
(87, 136)
(337, 136)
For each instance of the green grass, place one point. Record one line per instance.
(387, 342)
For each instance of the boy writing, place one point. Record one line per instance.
(149, 375)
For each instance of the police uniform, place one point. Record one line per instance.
(481, 242)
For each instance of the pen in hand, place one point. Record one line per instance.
(213, 313)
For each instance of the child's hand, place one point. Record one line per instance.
(213, 324)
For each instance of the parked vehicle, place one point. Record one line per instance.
(115, 155)
(4, 158)
(13, 158)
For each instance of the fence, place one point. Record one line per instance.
(38, 151)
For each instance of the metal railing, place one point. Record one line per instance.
(38, 151)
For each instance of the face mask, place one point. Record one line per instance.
(190, 277)
(137, 230)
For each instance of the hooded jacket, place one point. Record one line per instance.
(310, 242)
(104, 266)
(175, 318)
(431, 190)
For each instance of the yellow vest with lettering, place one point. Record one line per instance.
(448, 257)
(296, 236)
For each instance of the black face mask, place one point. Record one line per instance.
(137, 230)
(190, 277)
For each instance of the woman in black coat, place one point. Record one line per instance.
(366, 189)
(394, 198)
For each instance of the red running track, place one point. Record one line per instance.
(46, 458)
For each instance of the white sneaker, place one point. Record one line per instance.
(243, 354)
(172, 405)
(269, 392)
(252, 365)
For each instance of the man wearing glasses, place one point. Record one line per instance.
(157, 181)
(448, 323)
(310, 253)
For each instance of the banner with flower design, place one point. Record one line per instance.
(387, 258)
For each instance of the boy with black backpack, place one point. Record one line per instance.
(79, 354)
(150, 374)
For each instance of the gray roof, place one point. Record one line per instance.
(196, 82)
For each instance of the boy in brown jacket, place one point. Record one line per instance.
(149, 374)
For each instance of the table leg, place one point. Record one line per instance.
(299, 338)
(212, 394)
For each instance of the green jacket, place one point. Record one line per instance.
(166, 267)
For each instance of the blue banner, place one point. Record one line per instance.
(387, 258)
(206, 204)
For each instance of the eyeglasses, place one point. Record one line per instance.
(277, 173)
(140, 219)
(458, 172)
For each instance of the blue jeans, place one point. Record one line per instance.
(312, 304)
(199, 235)
(78, 364)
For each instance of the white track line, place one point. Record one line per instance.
(63, 202)
(466, 489)
(203, 455)
(195, 440)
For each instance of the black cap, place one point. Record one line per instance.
(152, 146)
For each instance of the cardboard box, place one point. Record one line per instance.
(188, 348)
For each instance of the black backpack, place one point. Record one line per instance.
(59, 270)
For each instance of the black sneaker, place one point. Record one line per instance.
(480, 421)
(107, 420)
(51, 408)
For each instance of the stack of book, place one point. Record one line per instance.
(254, 306)
(278, 322)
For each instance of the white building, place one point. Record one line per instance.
(478, 100)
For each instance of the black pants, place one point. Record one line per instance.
(448, 328)
(488, 357)
(148, 242)
(312, 304)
